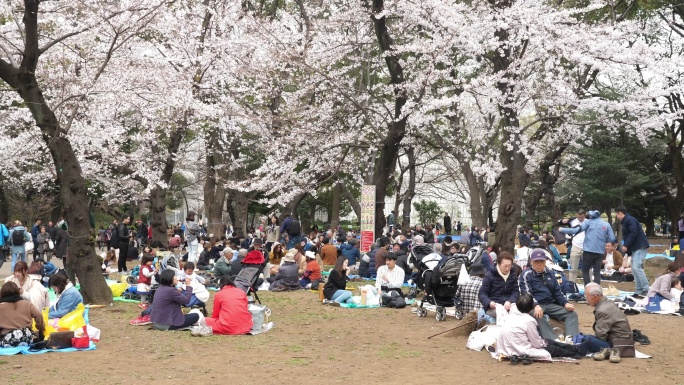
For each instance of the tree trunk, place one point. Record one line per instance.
(481, 196)
(396, 128)
(410, 192)
(292, 206)
(73, 189)
(4, 205)
(335, 212)
(158, 215)
(240, 202)
(214, 190)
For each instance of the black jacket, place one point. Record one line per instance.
(335, 283)
(124, 232)
(494, 289)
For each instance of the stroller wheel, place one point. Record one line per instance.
(458, 313)
(441, 314)
(421, 312)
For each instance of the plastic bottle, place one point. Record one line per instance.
(364, 296)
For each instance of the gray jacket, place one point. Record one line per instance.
(610, 323)
(192, 231)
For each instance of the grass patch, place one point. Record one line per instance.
(394, 351)
(4, 362)
(297, 362)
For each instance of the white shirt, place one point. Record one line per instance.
(523, 256)
(578, 240)
(395, 277)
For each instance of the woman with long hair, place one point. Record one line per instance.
(30, 286)
(335, 289)
(16, 317)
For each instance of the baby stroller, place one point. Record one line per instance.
(247, 278)
(440, 284)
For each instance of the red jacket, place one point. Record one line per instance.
(230, 315)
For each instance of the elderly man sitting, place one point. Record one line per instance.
(541, 283)
(610, 328)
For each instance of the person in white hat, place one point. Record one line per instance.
(312, 273)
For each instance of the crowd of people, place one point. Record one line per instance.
(528, 284)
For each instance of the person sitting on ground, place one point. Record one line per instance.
(519, 336)
(109, 259)
(522, 256)
(275, 257)
(328, 252)
(612, 259)
(166, 311)
(30, 287)
(335, 288)
(351, 252)
(230, 314)
(287, 277)
(557, 259)
(16, 317)
(469, 292)
(68, 297)
(499, 286)
(541, 283)
(312, 274)
(200, 294)
(660, 289)
(175, 242)
(223, 266)
(204, 258)
(390, 277)
(236, 264)
(402, 260)
(300, 259)
(610, 323)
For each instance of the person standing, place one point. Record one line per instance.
(636, 245)
(192, 233)
(577, 245)
(4, 237)
(598, 233)
(18, 236)
(447, 224)
(35, 230)
(390, 222)
(123, 234)
(458, 227)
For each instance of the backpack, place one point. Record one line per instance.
(295, 228)
(18, 237)
(393, 300)
(114, 239)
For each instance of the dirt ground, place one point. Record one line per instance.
(313, 343)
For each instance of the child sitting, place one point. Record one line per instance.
(312, 273)
(145, 279)
(200, 294)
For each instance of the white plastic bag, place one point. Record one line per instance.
(485, 336)
(476, 340)
(463, 277)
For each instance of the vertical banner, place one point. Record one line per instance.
(367, 217)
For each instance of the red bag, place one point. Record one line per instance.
(81, 342)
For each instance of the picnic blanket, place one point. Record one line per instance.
(25, 350)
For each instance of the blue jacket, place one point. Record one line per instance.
(351, 253)
(67, 302)
(556, 255)
(598, 232)
(4, 234)
(543, 287)
(35, 230)
(495, 289)
(633, 235)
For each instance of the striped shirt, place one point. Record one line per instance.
(395, 278)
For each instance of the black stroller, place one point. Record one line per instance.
(247, 279)
(441, 283)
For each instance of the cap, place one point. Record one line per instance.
(538, 255)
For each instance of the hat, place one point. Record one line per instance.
(538, 255)
(258, 241)
(477, 269)
(310, 254)
(289, 257)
